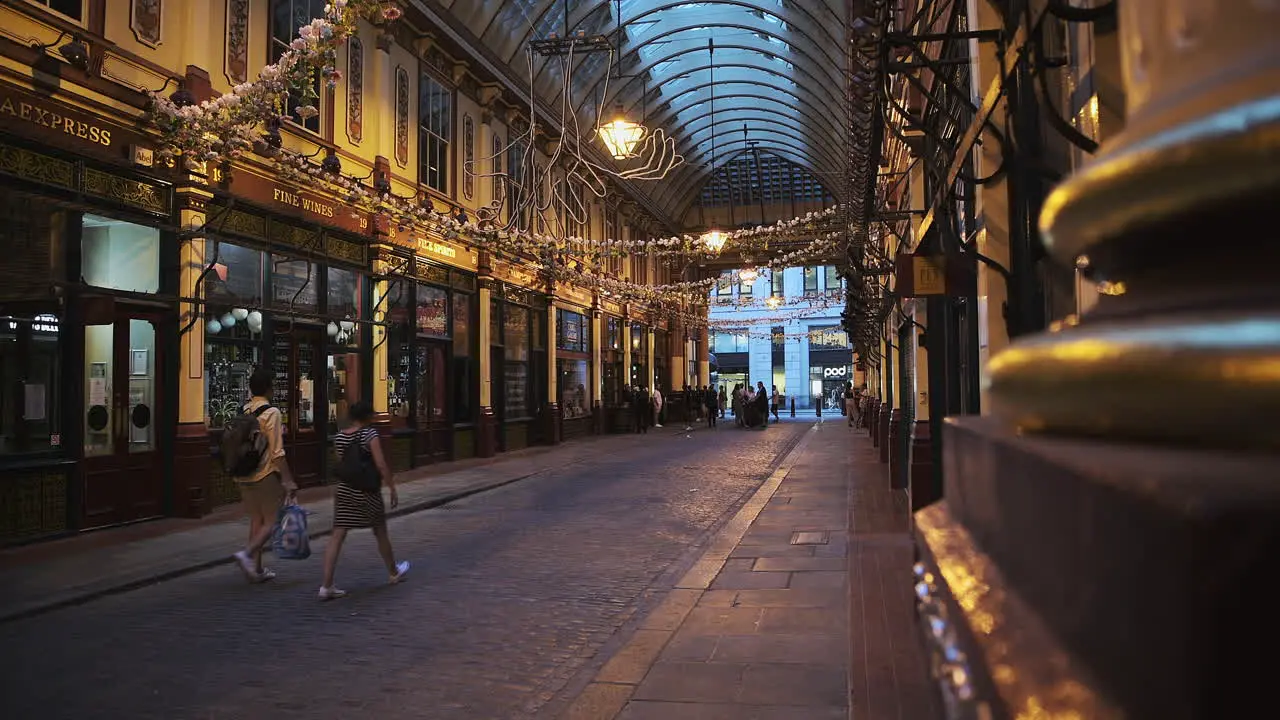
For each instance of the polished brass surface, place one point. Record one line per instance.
(1031, 675)
(1211, 161)
(1206, 379)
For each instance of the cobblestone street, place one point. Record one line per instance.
(513, 592)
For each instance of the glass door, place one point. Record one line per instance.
(298, 365)
(432, 385)
(122, 469)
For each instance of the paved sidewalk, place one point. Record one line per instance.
(758, 627)
(766, 625)
(47, 576)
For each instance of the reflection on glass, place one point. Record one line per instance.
(343, 293)
(99, 423)
(141, 407)
(461, 325)
(294, 284)
(433, 311)
(432, 383)
(227, 367)
(237, 277)
(119, 255)
(515, 333)
(574, 376)
(29, 370)
(343, 388)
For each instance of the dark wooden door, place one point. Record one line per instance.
(123, 396)
(298, 364)
(434, 390)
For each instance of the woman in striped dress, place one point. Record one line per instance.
(354, 508)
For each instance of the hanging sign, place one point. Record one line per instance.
(953, 275)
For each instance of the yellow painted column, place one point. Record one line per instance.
(922, 362)
(191, 396)
(380, 349)
(597, 372)
(626, 352)
(704, 358)
(553, 377)
(649, 363)
(486, 388)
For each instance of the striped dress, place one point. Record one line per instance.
(354, 508)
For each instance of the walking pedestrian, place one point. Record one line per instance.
(712, 402)
(776, 401)
(724, 400)
(357, 501)
(657, 406)
(270, 484)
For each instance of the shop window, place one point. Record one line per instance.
(432, 312)
(614, 334)
(343, 371)
(732, 341)
(295, 286)
(343, 293)
(435, 108)
(515, 337)
(573, 332)
(810, 280)
(831, 281)
(287, 16)
(775, 283)
(828, 337)
(30, 391)
(73, 9)
(399, 341)
(120, 255)
(464, 372)
(574, 377)
(468, 157)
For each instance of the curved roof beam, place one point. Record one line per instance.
(755, 117)
(832, 106)
(764, 103)
(691, 141)
(645, 68)
(688, 193)
(784, 13)
(799, 163)
(671, 115)
(679, 184)
(699, 148)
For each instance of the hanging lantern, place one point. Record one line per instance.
(332, 329)
(228, 320)
(241, 314)
(214, 327)
(748, 275)
(621, 136)
(773, 302)
(714, 240)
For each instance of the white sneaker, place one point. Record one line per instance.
(331, 593)
(264, 576)
(246, 566)
(402, 568)
(657, 426)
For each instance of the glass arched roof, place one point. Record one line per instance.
(719, 76)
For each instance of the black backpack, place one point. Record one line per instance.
(356, 468)
(243, 444)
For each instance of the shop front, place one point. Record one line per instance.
(428, 311)
(830, 368)
(613, 378)
(293, 294)
(517, 364)
(639, 356)
(88, 315)
(573, 371)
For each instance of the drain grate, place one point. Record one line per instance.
(810, 538)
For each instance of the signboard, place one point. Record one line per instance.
(953, 275)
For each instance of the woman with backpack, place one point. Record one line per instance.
(357, 498)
